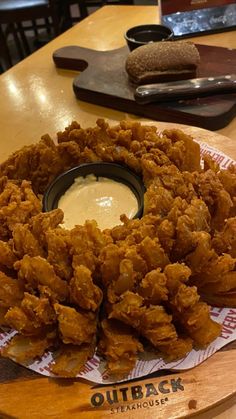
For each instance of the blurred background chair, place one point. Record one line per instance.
(84, 4)
(14, 14)
(26, 25)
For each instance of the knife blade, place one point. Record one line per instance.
(184, 89)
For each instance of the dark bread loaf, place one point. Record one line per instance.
(162, 61)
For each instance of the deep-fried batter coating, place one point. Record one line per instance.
(225, 240)
(202, 255)
(150, 164)
(184, 298)
(35, 271)
(25, 243)
(18, 320)
(138, 262)
(95, 236)
(153, 287)
(168, 184)
(139, 132)
(153, 254)
(198, 212)
(124, 282)
(194, 316)
(218, 200)
(63, 136)
(75, 327)
(39, 163)
(83, 291)
(122, 265)
(86, 243)
(218, 275)
(88, 137)
(211, 273)
(9, 193)
(16, 191)
(129, 310)
(70, 359)
(28, 194)
(196, 217)
(31, 317)
(58, 249)
(38, 308)
(157, 200)
(7, 257)
(135, 230)
(120, 347)
(222, 265)
(18, 204)
(210, 163)
(156, 325)
(176, 349)
(200, 327)
(110, 258)
(228, 180)
(69, 154)
(11, 292)
(153, 322)
(152, 271)
(119, 155)
(44, 221)
(166, 235)
(176, 274)
(217, 281)
(189, 159)
(25, 348)
(178, 209)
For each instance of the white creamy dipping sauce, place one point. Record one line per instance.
(101, 199)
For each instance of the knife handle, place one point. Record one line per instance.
(162, 92)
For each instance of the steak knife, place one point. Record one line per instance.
(185, 89)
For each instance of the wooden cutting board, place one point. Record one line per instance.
(103, 81)
(26, 394)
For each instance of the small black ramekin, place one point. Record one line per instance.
(144, 34)
(101, 169)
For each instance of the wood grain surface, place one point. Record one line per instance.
(104, 81)
(24, 394)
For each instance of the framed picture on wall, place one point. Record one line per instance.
(196, 17)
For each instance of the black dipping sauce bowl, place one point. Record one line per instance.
(108, 170)
(144, 34)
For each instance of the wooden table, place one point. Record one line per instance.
(37, 98)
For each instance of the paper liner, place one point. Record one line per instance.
(95, 369)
